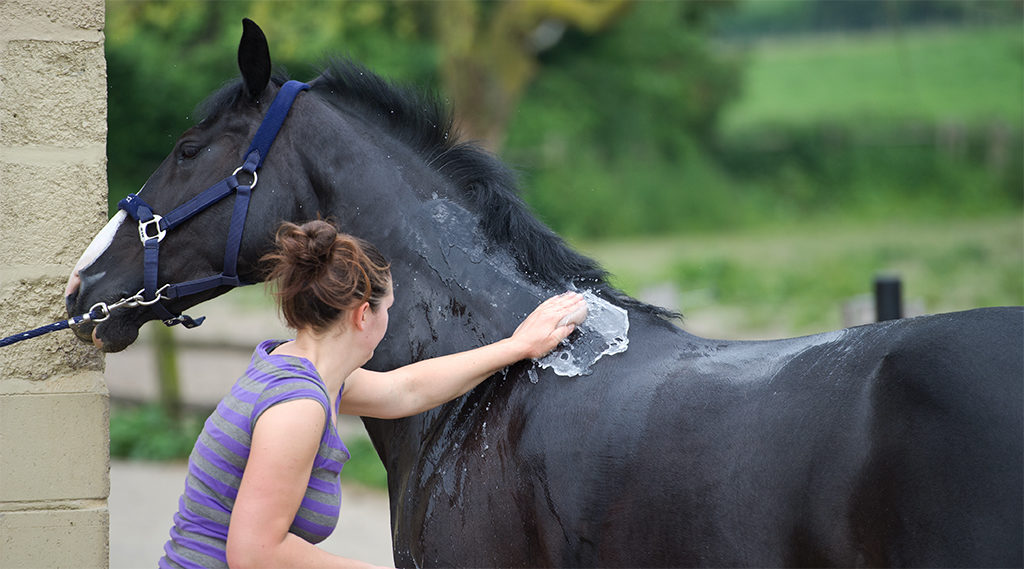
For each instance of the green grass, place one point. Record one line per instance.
(966, 75)
(794, 280)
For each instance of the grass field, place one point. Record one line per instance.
(795, 279)
(965, 75)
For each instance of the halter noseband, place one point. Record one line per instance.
(153, 228)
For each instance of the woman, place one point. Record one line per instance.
(263, 480)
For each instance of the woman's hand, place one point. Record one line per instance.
(550, 323)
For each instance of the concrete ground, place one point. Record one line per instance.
(144, 495)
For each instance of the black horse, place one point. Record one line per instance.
(894, 444)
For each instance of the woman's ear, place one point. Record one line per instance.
(359, 316)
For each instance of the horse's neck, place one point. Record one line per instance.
(454, 291)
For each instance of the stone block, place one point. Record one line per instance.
(31, 301)
(55, 539)
(40, 18)
(54, 447)
(34, 227)
(53, 93)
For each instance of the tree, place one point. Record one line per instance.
(489, 53)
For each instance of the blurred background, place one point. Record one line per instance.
(753, 164)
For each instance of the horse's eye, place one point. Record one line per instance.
(190, 149)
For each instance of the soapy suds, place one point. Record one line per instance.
(605, 332)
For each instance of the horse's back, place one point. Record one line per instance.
(943, 483)
(892, 444)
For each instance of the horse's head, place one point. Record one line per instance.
(112, 267)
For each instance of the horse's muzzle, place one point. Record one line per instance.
(112, 335)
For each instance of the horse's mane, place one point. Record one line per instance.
(487, 186)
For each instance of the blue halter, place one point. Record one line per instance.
(153, 228)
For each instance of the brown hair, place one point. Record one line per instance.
(320, 273)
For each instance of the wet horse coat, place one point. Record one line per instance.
(892, 444)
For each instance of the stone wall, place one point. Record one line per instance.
(54, 406)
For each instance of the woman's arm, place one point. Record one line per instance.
(426, 384)
(285, 441)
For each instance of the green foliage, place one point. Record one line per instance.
(864, 172)
(922, 123)
(655, 126)
(147, 432)
(364, 467)
(165, 57)
(613, 133)
(772, 18)
(916, 122)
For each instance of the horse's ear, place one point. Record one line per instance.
(253, 59)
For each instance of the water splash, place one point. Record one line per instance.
(605, 332)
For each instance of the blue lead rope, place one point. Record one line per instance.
(98, 313)
(61, 325)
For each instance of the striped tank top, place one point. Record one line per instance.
(199, 536)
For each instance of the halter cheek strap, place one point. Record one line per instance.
(153, 228)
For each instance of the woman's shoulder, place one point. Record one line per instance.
(268, 364)
(273, 378)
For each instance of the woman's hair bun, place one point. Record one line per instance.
(316, 243)
(320, 273)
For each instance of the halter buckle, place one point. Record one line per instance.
(144, 234)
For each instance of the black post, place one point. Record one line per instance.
(888, 298)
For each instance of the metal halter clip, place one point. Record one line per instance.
(144, 229)
(157, 296)
(101, 308)
(255, 178)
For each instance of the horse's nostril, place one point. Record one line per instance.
(74, 282)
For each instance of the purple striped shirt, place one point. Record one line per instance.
(199, 536)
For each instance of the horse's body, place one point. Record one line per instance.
(892, 444)
(879, 445)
